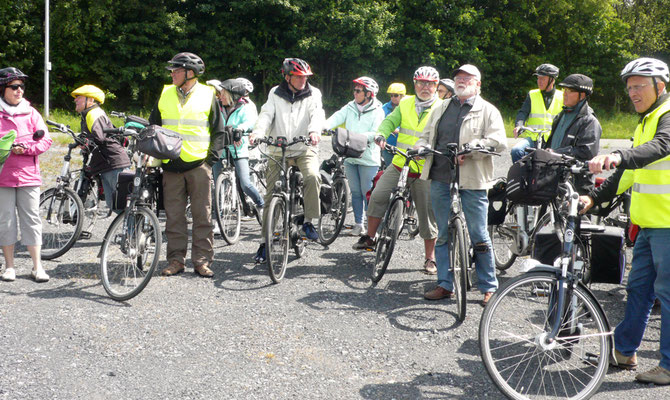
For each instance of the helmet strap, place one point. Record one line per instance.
(653, 79)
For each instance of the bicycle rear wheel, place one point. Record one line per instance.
(458, 258)
(130, 253)
(277, 239)
(502, 239)
(388, 235)
(61, 212)
(227, 207)
(330, 223)
(520, 360)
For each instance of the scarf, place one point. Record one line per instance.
(22, 108)
(422, 105)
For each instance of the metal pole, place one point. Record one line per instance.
(47, 64)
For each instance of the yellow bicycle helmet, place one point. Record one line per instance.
(397, 88)
(90, 91)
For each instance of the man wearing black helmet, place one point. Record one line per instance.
(538, 110)
(189, 108)
(576, 130)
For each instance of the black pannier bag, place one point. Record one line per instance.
(124, 187)
(497, 203)
(547, 246)
(326, 192)
(608, 255)
(534, 179)
(349, 144)
(159, 142)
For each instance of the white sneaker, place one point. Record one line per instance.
(357, 230)
(9, 275)
(40, 275)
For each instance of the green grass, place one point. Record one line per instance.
(615, 126)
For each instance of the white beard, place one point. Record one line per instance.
(466, 92)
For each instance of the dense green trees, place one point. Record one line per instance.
(123, 46)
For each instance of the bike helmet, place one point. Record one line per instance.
(90, 91)
(547, 70)
(397, 88)
(215, 83)
(425, 73)
(448, 83)
(235, 87)
(645, 66)
(295, 66)
(369, 84)
(11, 74)
(247, 85)
(578, 82)
(187, 61)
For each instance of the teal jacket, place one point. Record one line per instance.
(243, 117)
(361, 122)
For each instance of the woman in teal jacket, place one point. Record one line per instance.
(361, 115)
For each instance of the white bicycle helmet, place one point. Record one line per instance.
(247, 84)
(646, 66)
(369, 84)
(215, 83)
(426, 73)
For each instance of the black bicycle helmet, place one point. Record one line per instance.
(235, 87)
(578, 82)
(11, 74)
(547, 70)
(295, 66)
(187, 61)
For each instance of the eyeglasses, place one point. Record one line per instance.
(22, 86)
(396, 95)
(425, 83)
(174, 71)
(358, 90)
(463, 78)
(636, 88)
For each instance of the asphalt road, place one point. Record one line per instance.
(323, 332)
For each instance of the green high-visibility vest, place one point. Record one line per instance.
(540, 117)
(411, 126)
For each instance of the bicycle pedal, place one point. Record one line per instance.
(85, 235)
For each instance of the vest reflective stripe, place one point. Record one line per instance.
(190, 120)
(410, 130)
(540, 117)
(92, 115)
(650, 200)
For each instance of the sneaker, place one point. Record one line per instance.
(310, 231)
(216, 230)
(657, 375)
(429, 267)
(357, 231)
(260, 254)
(365, 242)
(9, 275)
(624, 362)
(39, 275)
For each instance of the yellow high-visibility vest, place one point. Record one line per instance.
(540, 117)
(410, 130)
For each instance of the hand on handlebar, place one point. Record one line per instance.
(314, 138)
(587, 203)
(380, 140)
(604, 162)
(516, 131)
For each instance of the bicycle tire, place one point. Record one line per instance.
(503, 242)
(130, 253)
(386, 240)
(337, 215)
(227, 207)
(459, 265)
(60, 231)
(277, 239)
(520, 361)
(257, 178)
(412, 228)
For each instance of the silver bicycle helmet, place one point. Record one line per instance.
(646, 66)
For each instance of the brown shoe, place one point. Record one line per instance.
(624, 362)
(438, 293)
(203, 270)
(174, 268)
(429, 267)
(657, 375)
(487, 297)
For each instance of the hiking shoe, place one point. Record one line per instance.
(310, 231)
(365, 242)
(174, 268)
(438, 293)
(39, 275)
(260, 254)
(657, 375)
(624, 362)
(203, 270)
(429, 267)
(9, 275)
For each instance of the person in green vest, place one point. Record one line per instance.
(190, 108)
(538, 110)
(411, 116)
(108, 157)
(645, 167)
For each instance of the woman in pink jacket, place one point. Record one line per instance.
(20, 178)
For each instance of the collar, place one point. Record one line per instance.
(22, 108)
(287, 94)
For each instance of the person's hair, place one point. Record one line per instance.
(227, 96)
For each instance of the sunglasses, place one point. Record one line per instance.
(16, 87)
(358, 90)
(395, 95)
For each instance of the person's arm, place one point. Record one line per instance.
(337, 119)
(655, 149)
(494, 133)
(37, 147)
(217, 133)
(248, 115)
(587, 141)
(389, 123)
(522, 114)
(155, 118)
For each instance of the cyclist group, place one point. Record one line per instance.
(441, 112)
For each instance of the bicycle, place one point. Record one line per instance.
(334, 213)
(257, 168)
(285, 213)
(227, 203)
(544, 333)
(132, 244)
(63, 210)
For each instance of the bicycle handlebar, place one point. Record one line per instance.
(283, 142)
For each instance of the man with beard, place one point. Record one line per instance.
(465, 118)
(411, 116)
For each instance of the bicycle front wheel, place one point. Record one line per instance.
(257, 176)
(277, 239)
(388, 235)
(130, 253)
(502, 239)
(331, 222)
(227, 207)
(62, 216)
(520, 359)
(458, 258)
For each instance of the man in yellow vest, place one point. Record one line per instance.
(539, 109)
(108, 157)
(189, 108)
(411, 115)
(645, 167)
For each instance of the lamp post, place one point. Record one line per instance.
(47, 63)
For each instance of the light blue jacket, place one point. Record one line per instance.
(244, 118)
(361, 122)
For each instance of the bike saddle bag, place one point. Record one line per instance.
(349, 144)
(497, 202)
(326, 192)
(159, 142)
(608, 255)
(534, 179)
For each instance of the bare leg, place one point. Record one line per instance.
(429, 245)
(8, 252)
(373, 224)
(34, 252)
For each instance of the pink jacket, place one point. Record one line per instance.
(24, 169)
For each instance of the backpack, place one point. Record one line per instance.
(534, 179)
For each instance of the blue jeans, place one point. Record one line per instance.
(360, 181)
(649, 278)
(475, 205)
(242, 172)
(109, 180)
(519, 149)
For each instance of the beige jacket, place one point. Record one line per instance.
(483, 125)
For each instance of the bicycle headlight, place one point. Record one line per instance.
(278, 185)
(145, 194)
(137, 181)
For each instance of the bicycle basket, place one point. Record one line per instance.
(159, 142)
(349, 144)
(534, 179)
(497, 203)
